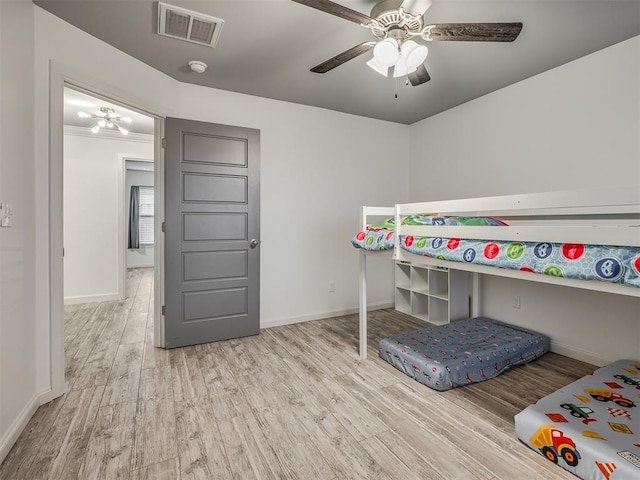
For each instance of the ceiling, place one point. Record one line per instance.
(268, 46)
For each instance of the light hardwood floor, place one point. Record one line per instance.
(294, 402)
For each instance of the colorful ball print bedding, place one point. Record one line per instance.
(374, 240)
(590, 427)
(379, 235)
(462, 352)
(585, 262)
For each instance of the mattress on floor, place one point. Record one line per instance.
(590, 427)
(462, 352)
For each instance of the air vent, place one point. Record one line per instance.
(183, 24)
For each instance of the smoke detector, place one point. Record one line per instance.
(197, 66)
(183, 24)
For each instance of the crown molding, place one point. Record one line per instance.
(107, 134)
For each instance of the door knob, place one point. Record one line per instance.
(254, 243)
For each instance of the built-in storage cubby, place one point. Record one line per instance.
(434, 294)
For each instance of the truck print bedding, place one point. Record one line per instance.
(590, 427)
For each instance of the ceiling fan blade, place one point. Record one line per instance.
(343, 57)
(337, 10)
(416, 7)
(420, 76)
(472, 32)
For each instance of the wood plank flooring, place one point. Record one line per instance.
(294, 402)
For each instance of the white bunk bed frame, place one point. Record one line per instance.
(606, 216)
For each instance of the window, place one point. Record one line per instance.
(145, 225)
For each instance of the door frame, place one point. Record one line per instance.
(60, 77)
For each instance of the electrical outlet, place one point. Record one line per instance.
(516, 301)
(332, 286)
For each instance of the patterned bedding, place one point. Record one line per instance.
(585, 262)
(579, 261)
(590, 427)
(462, 352)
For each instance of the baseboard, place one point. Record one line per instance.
(141, 265)
(46, 396)
(320, 316)
(11, 435)
(91, 299)
(579, 354)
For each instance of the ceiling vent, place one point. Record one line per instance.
(189, 26)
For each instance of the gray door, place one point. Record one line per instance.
(212, 231)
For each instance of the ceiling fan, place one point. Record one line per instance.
(395, 23)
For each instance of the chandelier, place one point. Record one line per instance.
(108, 119)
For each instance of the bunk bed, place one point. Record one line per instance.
(576, 225)
(589, 427)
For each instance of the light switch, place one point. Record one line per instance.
(5, 215)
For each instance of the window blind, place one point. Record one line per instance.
(146, 216)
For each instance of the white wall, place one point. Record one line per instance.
(576, 126)
(18, 391)
(143, 256)
(94, 207)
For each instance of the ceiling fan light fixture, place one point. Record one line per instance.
(402, 68)
(386, 52)
(95, 129)
(126, 119)
(123, 131)
(414, 54)
(381, 69)
(102, 123)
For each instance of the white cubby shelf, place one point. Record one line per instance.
(434, 294)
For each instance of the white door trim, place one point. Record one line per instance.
(59, 77)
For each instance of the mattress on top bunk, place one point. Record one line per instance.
(590, 427)
(462, 352)
(571, 260)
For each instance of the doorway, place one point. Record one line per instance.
(108, 152)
